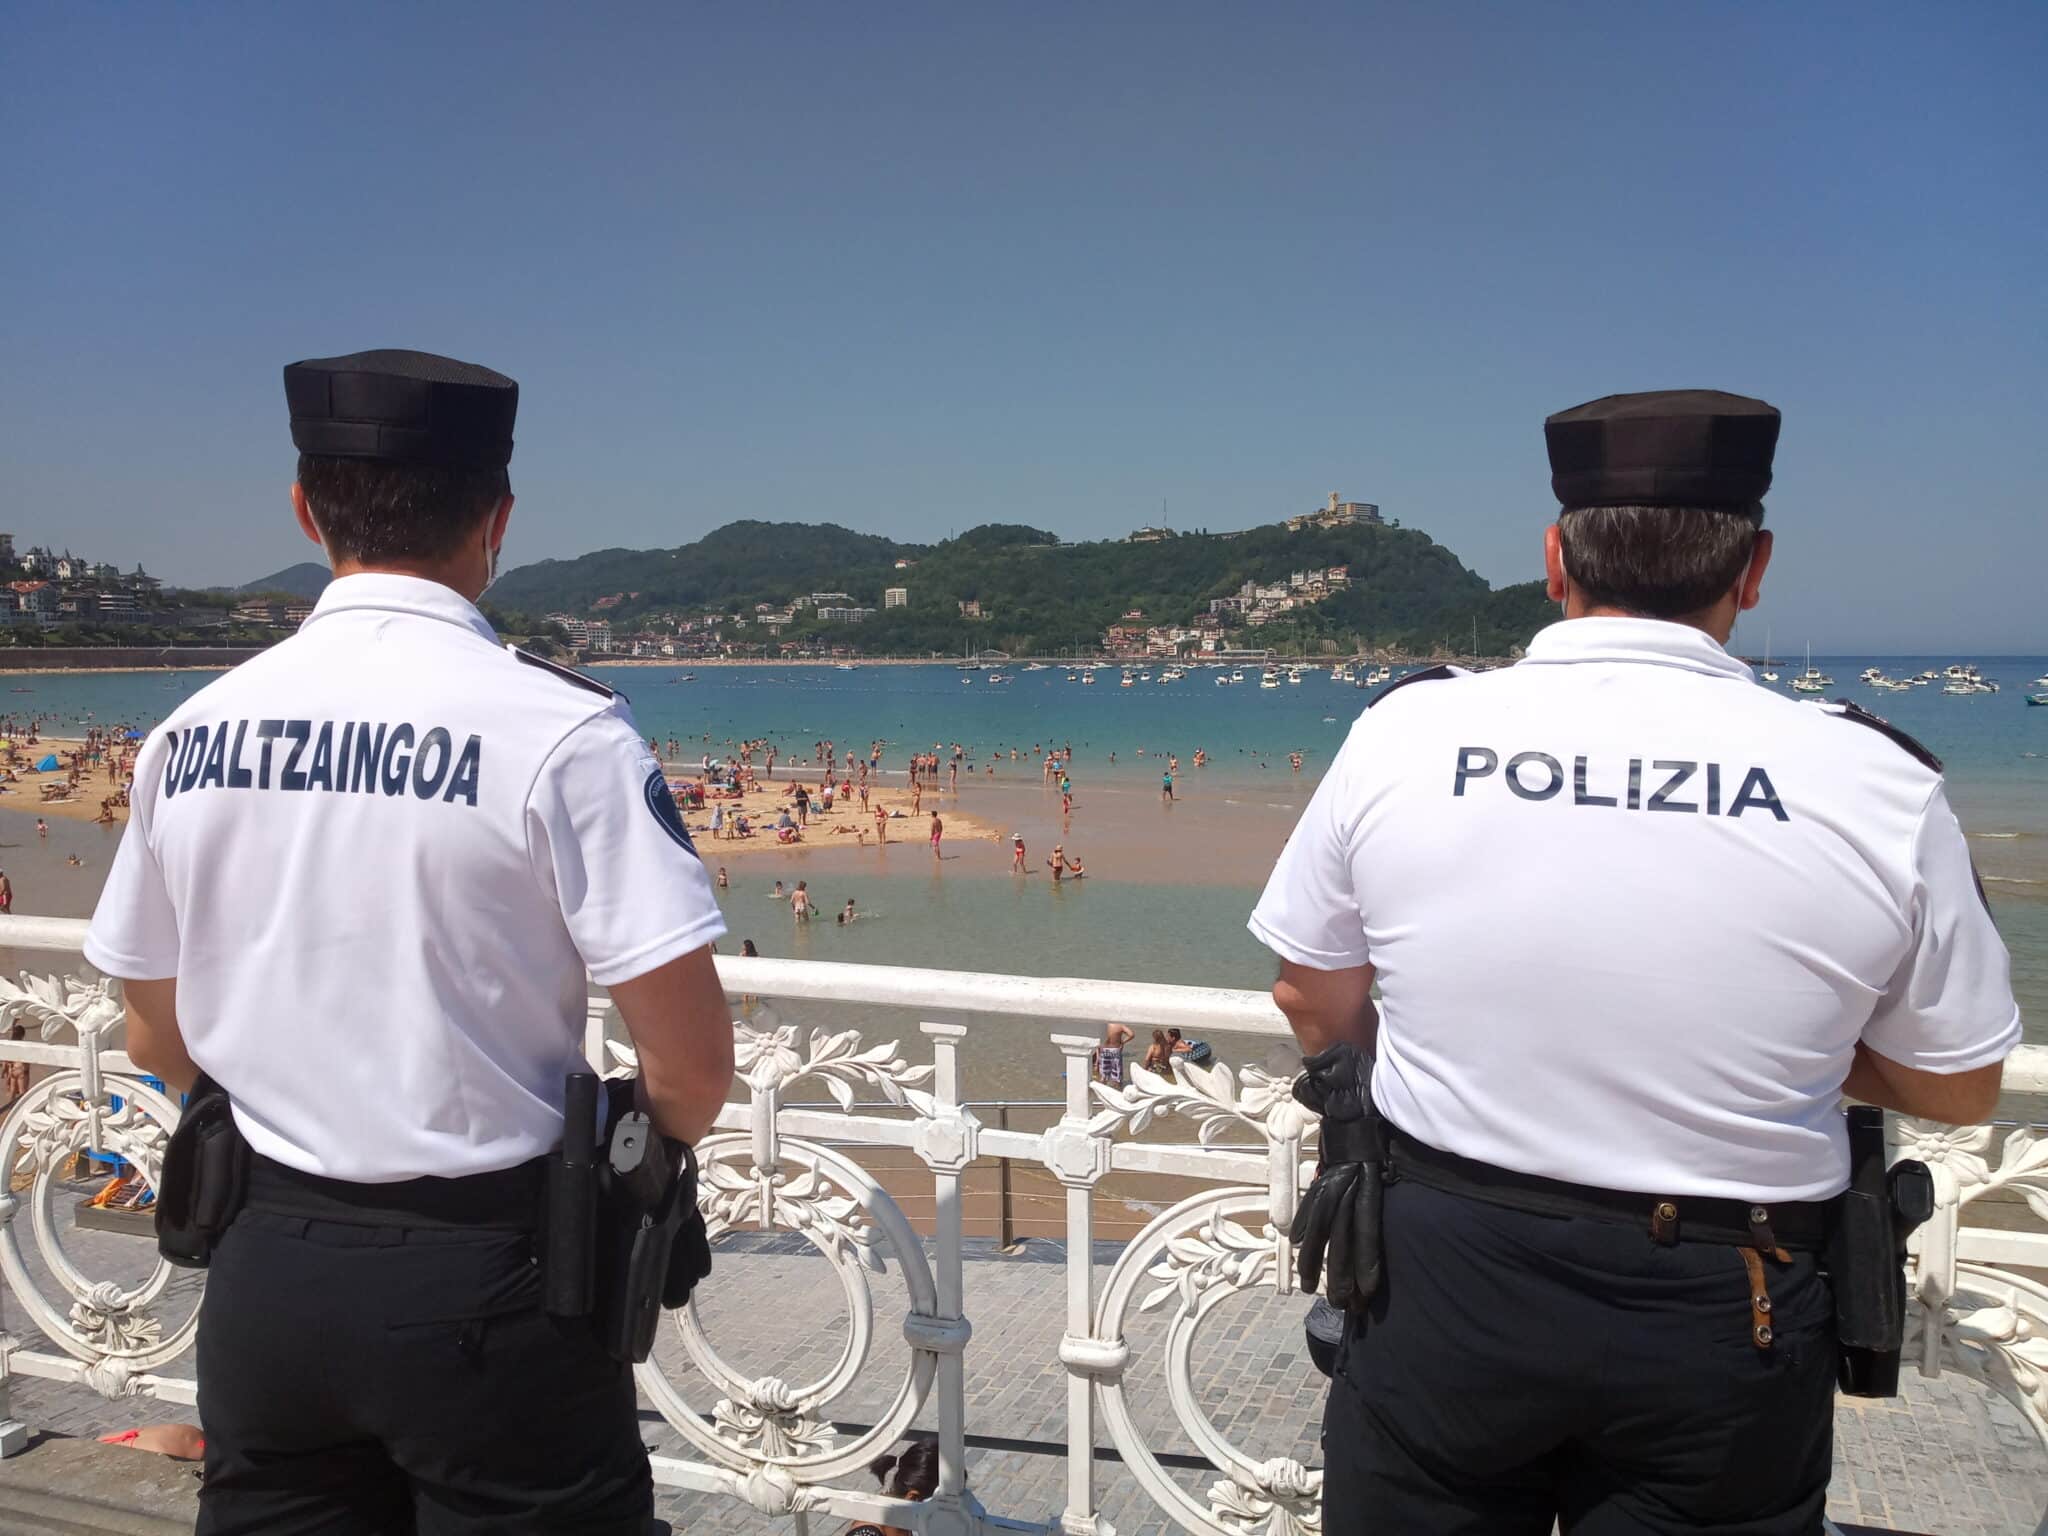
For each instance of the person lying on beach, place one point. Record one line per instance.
(180, 1442)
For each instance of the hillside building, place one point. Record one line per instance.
(1337, 513)
(896, 597)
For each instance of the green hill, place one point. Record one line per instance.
(1041, 596)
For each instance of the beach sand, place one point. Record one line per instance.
(24, 795)
(840, 828)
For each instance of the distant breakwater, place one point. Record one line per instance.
(121, 658)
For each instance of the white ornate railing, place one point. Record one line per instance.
(770, 1165)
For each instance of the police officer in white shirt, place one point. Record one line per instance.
(1637, 924)
(365, 876)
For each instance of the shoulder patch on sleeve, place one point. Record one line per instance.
(1427, 675)
(663, 803)
(1846, 710)
(566, 674)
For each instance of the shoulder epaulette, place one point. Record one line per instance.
(1847, 710)
(566, 674)
(1427, 675)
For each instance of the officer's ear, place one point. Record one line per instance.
(304, 513)
(1553, 564)
(1752, 589)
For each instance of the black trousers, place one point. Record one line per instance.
(1518, 1369)
(360, 1376)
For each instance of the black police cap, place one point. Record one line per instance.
(1665, 448)
(405, 407)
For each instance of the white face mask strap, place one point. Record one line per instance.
(491, 555)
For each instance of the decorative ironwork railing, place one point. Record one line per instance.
(1979, 1306)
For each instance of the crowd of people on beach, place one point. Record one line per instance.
(70, 770)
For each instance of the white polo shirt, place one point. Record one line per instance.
(1631, 913)
(378, 858)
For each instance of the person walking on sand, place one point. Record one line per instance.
(938, 831)
(881, 825)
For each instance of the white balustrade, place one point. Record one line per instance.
(1977, 1308)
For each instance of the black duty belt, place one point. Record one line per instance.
(507, 1199)
(1798, 1225)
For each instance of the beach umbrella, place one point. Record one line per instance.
(47, 764)
(133, 736)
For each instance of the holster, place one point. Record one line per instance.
(1866, 1256)
(205, 1178)
(1337, 1227)
(621, 1236)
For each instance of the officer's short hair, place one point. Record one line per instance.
(373, 509)
(1659, 562)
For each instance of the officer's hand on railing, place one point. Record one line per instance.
(1337, 1226)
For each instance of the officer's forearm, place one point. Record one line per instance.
(154, 1041)
(1952, 1098)
(1326, 1008)
(682, 1032)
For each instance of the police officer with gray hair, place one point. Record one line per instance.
(1602, 1235)
(366, 877)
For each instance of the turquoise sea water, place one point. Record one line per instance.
(1189, 928)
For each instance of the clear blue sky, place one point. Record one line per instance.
(911, 268)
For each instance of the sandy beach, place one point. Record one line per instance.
(845, 826)
(95, 783)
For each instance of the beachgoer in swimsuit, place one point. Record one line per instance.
(1109, 1056)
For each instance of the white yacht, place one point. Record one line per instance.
(1237, 674)
(1088, 678)
(1812, 680)
(1224, 680)
(1269, 678)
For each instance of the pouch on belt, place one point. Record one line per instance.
(204, 1180)
(1336, 1228)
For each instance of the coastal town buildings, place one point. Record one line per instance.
(896, 597)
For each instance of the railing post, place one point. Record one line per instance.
(1006, 1236)
(948, 1141)
(593, 1031)
(1079, 1160)
(13, 1433)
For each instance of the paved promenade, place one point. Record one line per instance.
(1946, 1457)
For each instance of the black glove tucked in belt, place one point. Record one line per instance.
(1337, 1226)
